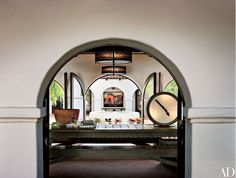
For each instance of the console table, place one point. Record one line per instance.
(148, 134)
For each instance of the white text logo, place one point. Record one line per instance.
(227, 172)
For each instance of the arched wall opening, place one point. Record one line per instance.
(154, 53)
(90, 93)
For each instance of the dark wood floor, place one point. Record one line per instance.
(111, 169)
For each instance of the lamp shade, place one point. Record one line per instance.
(113, 70)
(108, 55)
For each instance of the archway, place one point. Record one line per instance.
(157, 55)
(166, 62)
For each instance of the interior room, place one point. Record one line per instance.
(112, 93)
(168, 112)
(89, 84)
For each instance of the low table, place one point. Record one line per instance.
(146, 134)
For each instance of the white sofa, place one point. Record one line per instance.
(123, 115)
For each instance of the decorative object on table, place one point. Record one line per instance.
(72, 125)
(87, 124)
(97, 120)
(162, 109)
(132, 121)
(138, 120)
(55, 125)
(135, 121)
(118, 121)
(108, 121)
(66, 116)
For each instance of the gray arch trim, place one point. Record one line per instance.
(167, 63)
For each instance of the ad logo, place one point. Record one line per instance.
(227, 172)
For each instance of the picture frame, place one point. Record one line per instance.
(113, 99)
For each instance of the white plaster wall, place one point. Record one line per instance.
(212, 149)
(197, 35)
(18, 149)
(142, 66)
(125, 85)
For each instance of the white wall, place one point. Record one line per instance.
(197, 35)
(34, 35)
(212, 148)
(19, 155)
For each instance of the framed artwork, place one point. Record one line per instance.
(113, 99)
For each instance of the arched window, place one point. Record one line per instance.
(56, 94)
(77, 95)
(172, 87)
(148, 91)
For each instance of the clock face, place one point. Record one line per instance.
(162, 108)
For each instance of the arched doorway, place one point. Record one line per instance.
(184, 99)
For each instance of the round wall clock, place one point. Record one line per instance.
(162, 109)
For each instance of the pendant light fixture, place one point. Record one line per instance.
(113, 54)
(113, 70)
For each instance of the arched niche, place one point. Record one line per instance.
(99, 86)
(90, 96)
